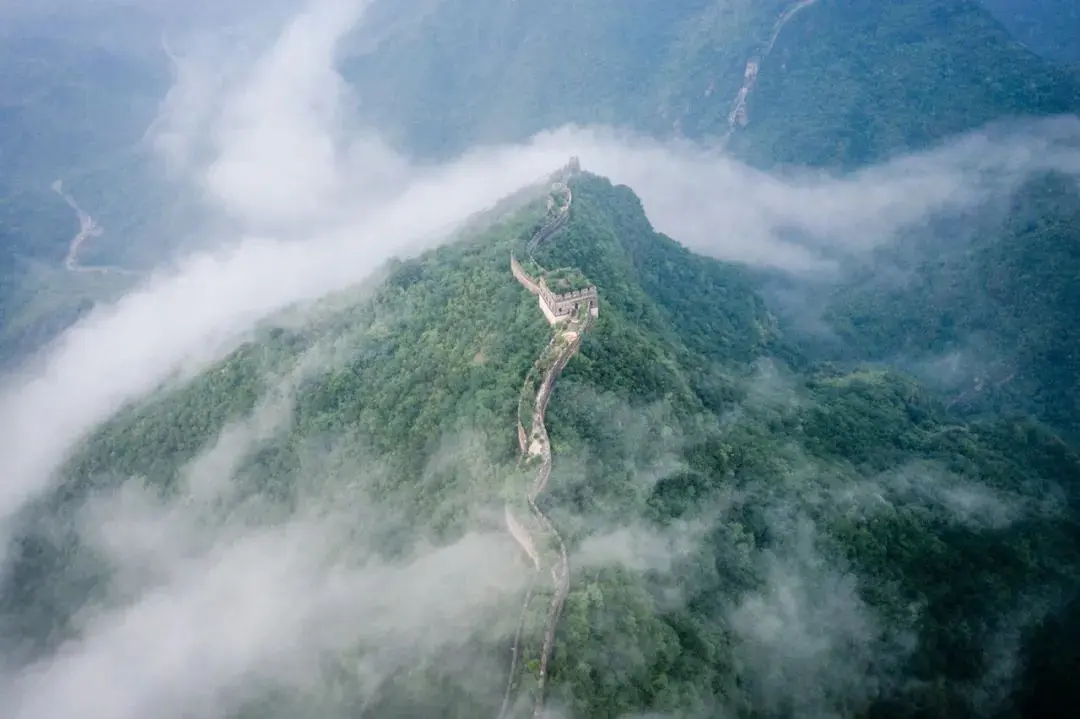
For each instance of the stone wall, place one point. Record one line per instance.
(562, 305)
(523, 277)
(522, 537)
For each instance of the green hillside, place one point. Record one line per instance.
(855, 81)
(847, 81)
(837, 545)
(1007, 298)
(1049, 27)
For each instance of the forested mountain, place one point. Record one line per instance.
(836, 542)
(853, 81)
(841, 82)
(1049, 27)
(991, 319)
(875, 513)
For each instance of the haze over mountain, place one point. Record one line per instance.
(814, 457)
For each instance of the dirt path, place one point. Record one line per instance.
(87, 229)
(537, 444)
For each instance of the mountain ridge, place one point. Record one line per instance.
(669, 417)
(737, 523)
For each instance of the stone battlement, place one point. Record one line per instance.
(574, 294)
(559, 307)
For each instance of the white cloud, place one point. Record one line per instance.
(324, 204)
(203, 606)
(810, 645)
(321, 204)
(720, 207)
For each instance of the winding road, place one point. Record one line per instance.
(87, 229)
(536, 446)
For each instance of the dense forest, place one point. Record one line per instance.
(751, 532)
(870, 514)
(847, 82)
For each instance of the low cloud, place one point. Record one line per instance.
(322, 203)
(642, 548)
(955, 498)
(809, 644)
(266, 134)
(208, 596)
(805, 221)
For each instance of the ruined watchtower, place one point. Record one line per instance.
(560, 307)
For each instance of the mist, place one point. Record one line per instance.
(264, 133)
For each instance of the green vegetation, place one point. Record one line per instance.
(886, 544)
(848, 82)
(1004, 302)
(837, 539)
(1049, 27)
(854, 81)
(565, 279)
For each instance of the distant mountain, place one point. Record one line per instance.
(840, 83)
(992, 319)
(683, 407)
(845, 81)
(68, 107)
(836, 84)
(854, 81)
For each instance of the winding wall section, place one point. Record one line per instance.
(536, 444)
(738, 115)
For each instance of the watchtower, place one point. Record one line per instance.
(559, 307)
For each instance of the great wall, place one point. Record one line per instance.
(570, 314)
(739, 116)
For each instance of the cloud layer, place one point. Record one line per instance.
(321, 203)
(266, 134)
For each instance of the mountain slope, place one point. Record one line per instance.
(71, 108)
(746, 532)
(854, 81)
(846, 81)
(1049, 28)
(1002, 305)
